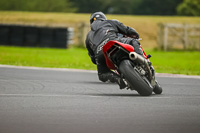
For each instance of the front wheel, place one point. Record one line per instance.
(157, 89)
(135, 80)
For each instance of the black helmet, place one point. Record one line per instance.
(97, 16)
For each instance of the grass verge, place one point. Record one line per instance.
(46, 57)
(176, 62)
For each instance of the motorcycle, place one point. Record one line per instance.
(135, 70)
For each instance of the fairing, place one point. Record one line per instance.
(109, 44)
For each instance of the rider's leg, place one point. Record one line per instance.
(136, 44)
(105, 74)
(102, 67)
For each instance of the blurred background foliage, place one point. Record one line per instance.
(37, 5)
(136, 7)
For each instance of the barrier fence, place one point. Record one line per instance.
(20, 35)
(184, 36)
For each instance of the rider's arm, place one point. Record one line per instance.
(121, 28)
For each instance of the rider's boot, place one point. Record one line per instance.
(112, 77)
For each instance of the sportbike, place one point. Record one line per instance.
(136, 70)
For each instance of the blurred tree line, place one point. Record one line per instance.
(136, 7)
(37, 5)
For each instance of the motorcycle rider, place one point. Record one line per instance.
(102, 31)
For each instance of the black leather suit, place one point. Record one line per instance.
(101, 32)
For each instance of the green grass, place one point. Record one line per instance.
(176, 62)
(46, 57)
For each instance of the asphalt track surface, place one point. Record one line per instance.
(65, 101)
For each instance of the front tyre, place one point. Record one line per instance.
(157, 89)
(135, 80)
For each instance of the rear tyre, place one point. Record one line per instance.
(135, 80)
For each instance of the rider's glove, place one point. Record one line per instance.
(136, 36)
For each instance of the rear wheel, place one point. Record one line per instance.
(135, 80)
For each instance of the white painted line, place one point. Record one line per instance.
(94, 71)
(33, 95)
(176, 75)
(44, 68)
